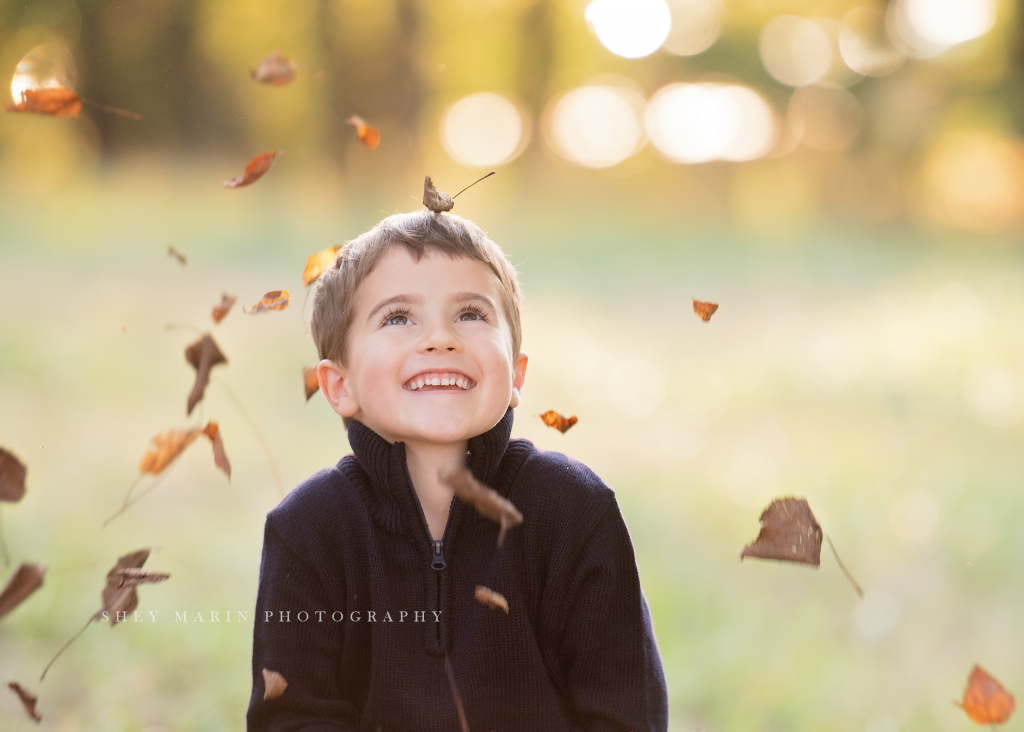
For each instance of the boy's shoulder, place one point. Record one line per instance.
(321, 501)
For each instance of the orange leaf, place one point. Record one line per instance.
(203, 355)
(789, 533)
(253, 171)
(704, 309)
(275, 69)
(28, 700)
(273, 300)
(12, 477)
(491, 598)
(985, 699)
(317, 263)
(273, 684)
(220, 457)
(310, 380)
(54, 101)
(27, 579)
(367, 135)
(219, 311)
(165, 447)
(553, 419)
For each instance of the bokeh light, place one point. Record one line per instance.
(50, 65)
(484, 129)
(825, 119)
(795, 51)
(864, 44)
(929, 27)
(630, 28)
(695, 26)
(698, 123)
(597, 126)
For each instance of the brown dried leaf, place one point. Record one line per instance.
(12, 477)
(789, 533)
(986, 701)
(53, 101)
(172, 252)
(253, 171)
(704, 309)
(26, 579)
(115, 597)
(273, 684)
(131, 577)
(219, 311)
(437, 201)
(220, 457)
(487, 501)
(318, 263)
(553, 419)
(275, 69)
(369, 136)
(28, 700)
(202, 355)
(490, 598)
(273, 300)
(165, 447)
(310, 380)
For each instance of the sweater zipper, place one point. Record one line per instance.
(436, 545)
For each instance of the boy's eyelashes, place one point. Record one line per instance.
(401, 316)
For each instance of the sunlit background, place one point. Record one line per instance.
(846, 179)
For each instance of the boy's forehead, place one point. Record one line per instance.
(399, 272)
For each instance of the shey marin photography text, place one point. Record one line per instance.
(271, 616)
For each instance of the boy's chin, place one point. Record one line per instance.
(446, 427)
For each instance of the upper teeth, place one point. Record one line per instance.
(439, 379)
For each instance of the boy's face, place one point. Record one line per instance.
(429, 351)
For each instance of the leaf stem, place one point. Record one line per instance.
(88, 622)
(842, 566)
(259, 434)
(472, 184)
(129, 503)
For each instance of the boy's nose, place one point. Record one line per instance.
(442, 339)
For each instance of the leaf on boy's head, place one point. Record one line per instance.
(219, 311)
(220, 457)
(437, 201)
(273, 300)
(28, 700)
(789, 533)
(317, 264)
(131, 576)
(704, 309)
(118, 599)
(12, 477)
(369, 136)
(273, 684)
(490, 598)
(488, 502)
(986, 701)
(253, 171)
(553, 419)
(310, 380)
(275, 69)
(202, 355)
(26, 579)
(172, 252)
(57, 101)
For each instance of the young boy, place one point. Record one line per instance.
(366, 593)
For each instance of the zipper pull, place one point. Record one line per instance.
(438, 556)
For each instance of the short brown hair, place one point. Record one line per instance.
(418, 232)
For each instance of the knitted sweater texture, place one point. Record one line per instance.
(362, 612)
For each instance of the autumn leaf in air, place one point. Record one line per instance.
(789, 533)
(172, 252)
(165, 447)
(53, 101)
(704, 309)
(318, 263)
(273, 684)
(488, 502)
(203, 355)
(219, 311)
(273, 300)
(253, 171)
(310, 381)
(133, 576)
(275, 69)
(985, 699)
(12, 477)
(553, 419)
(491, 598)
(26, 579)
(28, 700)
(369, 136)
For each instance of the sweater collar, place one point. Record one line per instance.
(385, 464)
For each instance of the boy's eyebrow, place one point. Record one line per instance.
(469, 296)
(394, 300)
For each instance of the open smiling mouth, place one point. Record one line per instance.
(439, 381)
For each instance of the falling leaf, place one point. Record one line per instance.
(168, 445)
(463, 722)
(171, 251)
(985, 699)
(487, 501)
(273, 684)
(26, 579)
(788, 533)
(310, 380)
(219, 311)
(437, 201)
(317, 263)
(367, 135)
(12, 477)
(118, 599)
(220, 457)
(124, 329)
(553, 419)
(275, 69)
(132, 576)
(202, 355)
(253, 171)
(273, 300)
(54, 101)
(704, 309)
(491, 598)
(28, 700)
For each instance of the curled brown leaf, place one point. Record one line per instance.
(133, 576)
(118, 599)
(488, 502)
(219, 311)
(12, 477)
(26, 579)
(274, 684)
(253, 171)
(437, 201)
(553, 419)
(704, 309)
(490, 598)
(28, 700)
(789, 533)
(310, 381)
(203, 355)
(220, 457)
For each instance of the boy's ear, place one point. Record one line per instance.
(334, 384)
(518, 377)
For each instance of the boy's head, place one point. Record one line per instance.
(421, 297)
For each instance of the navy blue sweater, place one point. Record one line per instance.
(358, 607)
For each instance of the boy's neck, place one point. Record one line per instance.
(426, 460)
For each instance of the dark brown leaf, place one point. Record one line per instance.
(487, 501)
(273, 684)
(253, 171)
(26, 579)
(219, 311)
(704, 309)
(202, 355)
(132, 576)
(118, 599)
(437, 201)
(553, 419)
(28, 700)
(310, 380)
(986, 701)
(789, 533)
(12, 477)
(275, 69)
(491, 598)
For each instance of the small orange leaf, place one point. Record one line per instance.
(704, 309)
(310, 380)
(273, 684)
(165, 447)
(553, 419)
(28, 700)
(367, 135)
(275, 69)
(491, 598)
(273, 300)
(220, 457)
(985, 699)
(253, 171)
(53, 101)
(219, 311)
(317, 263)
